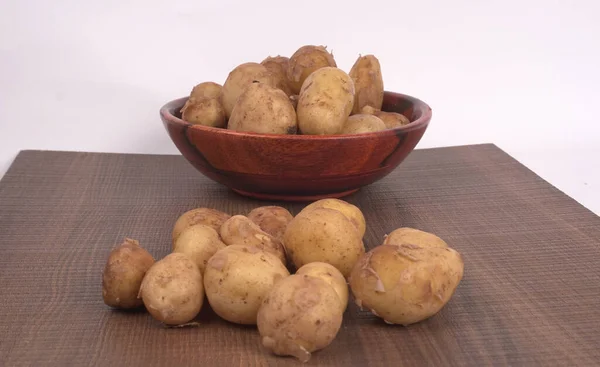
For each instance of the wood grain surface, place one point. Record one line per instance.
(530, 294)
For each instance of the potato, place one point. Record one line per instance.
(199, 242)
(123, 273)
(352, 212)
(412, 236)
(324, 235)
(205, 90)
(263, 109)
(237, 278)
(368, 83)
(390, 119)
(331, 276)
(305, 61)
(278, 67)
(404, 284)
(239, 79)
(271, 219)
(210, 217)
(299, 316)
(239, 230)
(204, 111)
(172, 290)
(326, 100)
(362, 123)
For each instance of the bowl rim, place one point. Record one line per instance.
(422, 121)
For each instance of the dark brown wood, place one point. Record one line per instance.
(530, 293)
(298, 167)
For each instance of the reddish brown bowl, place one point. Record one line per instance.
(297, 167)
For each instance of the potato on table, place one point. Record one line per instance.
(207, 216)
(362, 123)
(413, 236)
(352, 212)
(331, 276)
(200, 242)
(271, 219)
(304, 62)
(239, 79)
(368, 83)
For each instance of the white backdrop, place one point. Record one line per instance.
(91, 75)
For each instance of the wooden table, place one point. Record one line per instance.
(530, 294)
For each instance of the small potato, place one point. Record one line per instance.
(263, 109)
(362, 123)
(368, 83)
(352, 212)
(199, 242)
(412, 236)
(304, 62)
(172, 290)
(239, 79)
(204, 111)
(123, 273)
(390, 119)
(324, 235)
(299, 316)
(331, 276)
(404, 284)
(326, 100)
(239, 230)
(210, 217)
(278, 67)
(205, 90)
(271, 219)
(237, 278)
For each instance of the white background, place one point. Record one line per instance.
(525, 75)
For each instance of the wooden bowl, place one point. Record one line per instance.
(297, 167)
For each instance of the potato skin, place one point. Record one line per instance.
(172, 290)
(278, 66)
(204, 111)
(271, 219)
(405, 284)
(123, 273)
(210, 217)
(331, 276)
(263, 109)
(239, 230)
(239, 78)
(368, 83)
(362, 123)
(352, 212)
(237, 278)
(412, 236)
(390, 119)
(324, 235)
(200, 243)
(210, 90)
(326, 100)
(306, 60)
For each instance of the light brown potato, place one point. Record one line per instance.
(278, 66)
(326, 100)
(412, 236)
(205, 90)
(362, 123)
(263, 109)
(237, 278)
(352, 212)
(324, 235)
(200, 243)
(331, 276)
(123, 273)
(239, 230)
(390, 119)
(306, 60)
(405, 284)
(239, 79)
(368, 83)
(172, 290)
(299, 316)
(271, 219)
(210, 217)
(204, 111)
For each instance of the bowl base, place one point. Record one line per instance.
(290, 197)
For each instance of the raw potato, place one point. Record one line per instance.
(239, 230)
(324, 235)
(123, 273)
(412, 236)
(368, 83)
(199, 242)
(172, 290)
(237, 278)
(210, 217)
(299, 316)
(263, 109)
(326, 100)
(363, 123)
(352, 212)
(208, 90)
(239, 79)
(390, 119)
(405, 284)
(305, 61)
(204, 111)
(271, 219)
(278, 66)
(331, 276)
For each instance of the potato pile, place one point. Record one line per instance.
(290, 276)
(304, 94)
